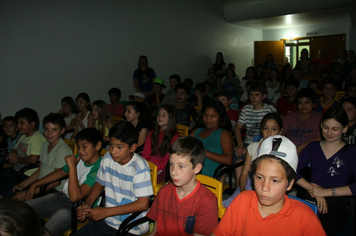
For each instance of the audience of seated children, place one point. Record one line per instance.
(303, 126)
(271, 124)
(298, 75)
(143, 77)
(26, 151)
(286, 104)
(81, 172)
(69, 111)
(349, 105)
(84, 119)
(250, 75)
(126, 179)
(225, 98)
(137, 114)
(332, 163)
(160, 139)
(184, 207)
(157, 96)
(18, 218)
(170, 97)
(199, 98)
(315, 86)
(52, 155)
(12, 131)
(231, 77)
(251, 116)
(272, 84)
(327, 100)
(102, 119)
(214, 130)
(268, 210)
(184, 110)
(115, 107)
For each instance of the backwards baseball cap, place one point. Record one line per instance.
(137, 94)
(282, 148)
(160, 82)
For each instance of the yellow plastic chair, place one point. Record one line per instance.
(103, 151)
(182, 130)
(153, 171)
(198, 109)
(72, 145)
(117, 119)
(216, 187)
(339, 95)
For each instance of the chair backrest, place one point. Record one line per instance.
(216, 187)
(312, 206)
(339, 95)
(72, 145)
(103, 151)
(182, 130)
(154, 172)
(117, 119)
(198, 109)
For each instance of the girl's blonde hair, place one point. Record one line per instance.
(103, 115)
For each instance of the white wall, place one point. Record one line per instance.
(322, 29)
(56, 48)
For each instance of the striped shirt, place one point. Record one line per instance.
(124, 184)
(252, 120)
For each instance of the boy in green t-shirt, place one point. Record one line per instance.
(81, 174)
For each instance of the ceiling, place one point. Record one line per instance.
(280, 14)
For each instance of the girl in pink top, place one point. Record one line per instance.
(160, 139)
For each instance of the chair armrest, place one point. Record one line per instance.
(220, 172)
(127, 227)
(26, 168)
(43, 188)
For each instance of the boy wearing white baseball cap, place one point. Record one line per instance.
(267, 210)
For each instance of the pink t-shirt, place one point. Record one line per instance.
(299, 131)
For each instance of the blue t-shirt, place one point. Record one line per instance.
(145, 80)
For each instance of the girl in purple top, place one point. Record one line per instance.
(332, 163)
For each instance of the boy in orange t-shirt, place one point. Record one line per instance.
(267, 210)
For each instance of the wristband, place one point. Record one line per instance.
(333, 192)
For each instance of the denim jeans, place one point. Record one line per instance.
(97, 228)
(57, 207)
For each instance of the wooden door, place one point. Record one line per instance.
(332, 44)
(263, 48)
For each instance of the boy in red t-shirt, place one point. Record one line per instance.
(225, 98)
(286, 104)
(184, 207)
(267, 210)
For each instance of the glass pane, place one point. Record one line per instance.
(300, 48)
(304, 40)
(293, 56)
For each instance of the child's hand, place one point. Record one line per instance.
(77, 119)
(17, 187)
(30, 192)
(97, 213)
(12, 158)
(20, 196)
(315, 190)
(322, 205)
(81, 213)
(71, 161)
(240, 151)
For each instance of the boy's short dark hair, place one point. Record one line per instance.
(55, 119)
(328, 80)
(189, 81)
(115, 91)
(314, 81)
(30, 115)
(290, 173)
(189, 147)
(200, 87)
(183, 86)
(292, 82)
(305, 93)
(125, 132)
(225, 93)
(10, 118)
(176, 77)
(91, 135)
(258, 86)
(351, 100)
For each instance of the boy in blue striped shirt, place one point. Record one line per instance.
(127, 182)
